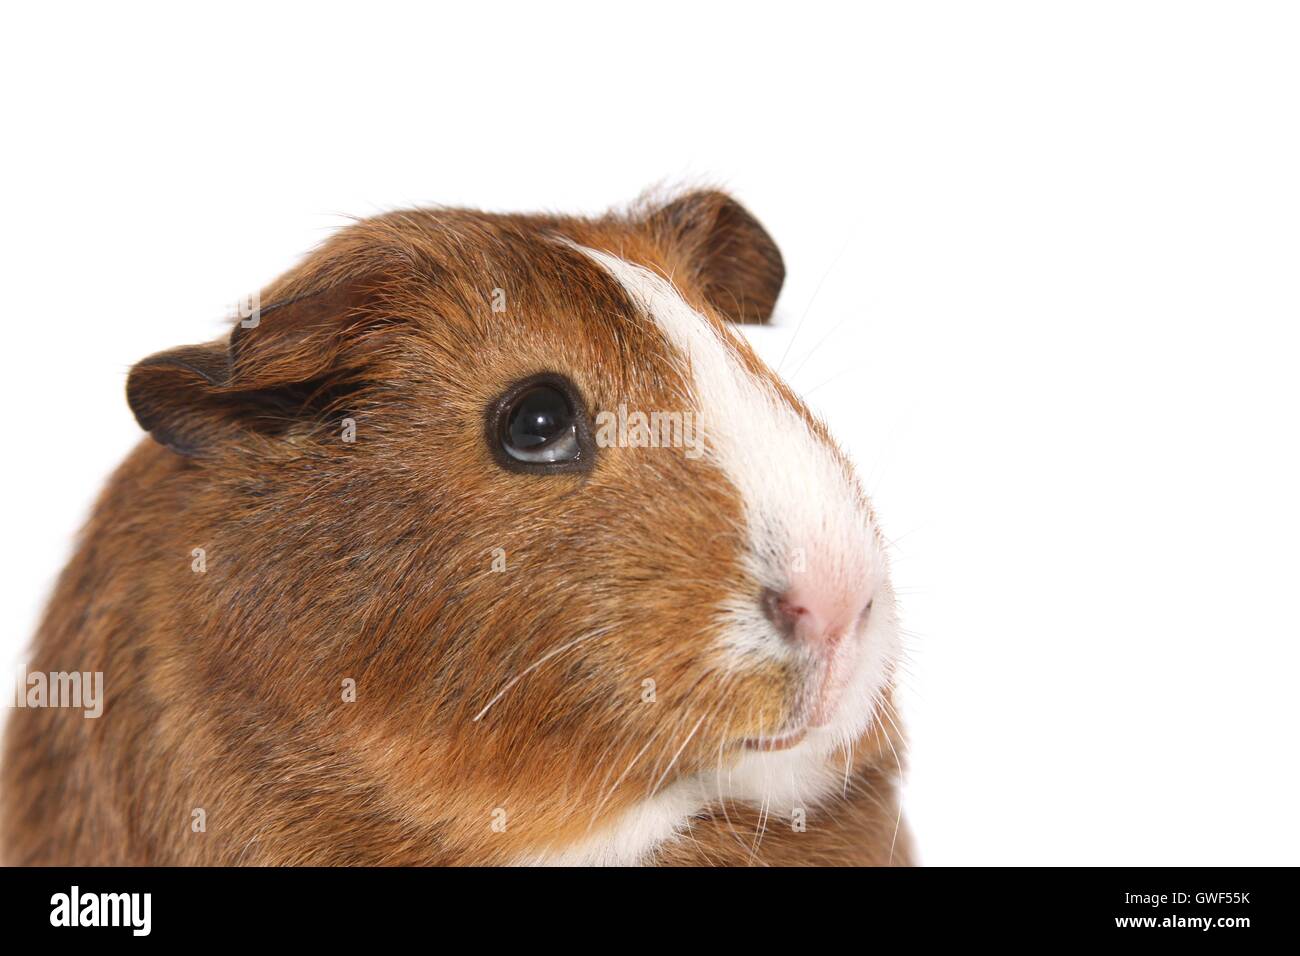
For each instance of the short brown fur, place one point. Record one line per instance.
(371, 561)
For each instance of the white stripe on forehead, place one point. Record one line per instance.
(795, 492)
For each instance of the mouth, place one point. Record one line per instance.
(791, 738)
(817, 703)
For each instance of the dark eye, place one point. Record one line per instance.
(540, 427)
(536, 427)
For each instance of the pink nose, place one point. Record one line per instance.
(816, 618)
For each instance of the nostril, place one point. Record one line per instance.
(813, 617)
(783, 613)
(865, 615)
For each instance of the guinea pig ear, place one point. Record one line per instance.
(734, 263)
(286, 366)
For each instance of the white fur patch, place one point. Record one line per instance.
(801, 506)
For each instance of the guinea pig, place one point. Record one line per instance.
(480, 539)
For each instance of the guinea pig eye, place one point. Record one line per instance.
(537, 427)
(540, 427)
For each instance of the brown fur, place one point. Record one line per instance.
(372, 561)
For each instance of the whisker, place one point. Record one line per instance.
(538, 663)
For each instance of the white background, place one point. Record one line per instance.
(1050, 250)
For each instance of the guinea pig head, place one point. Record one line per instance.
(510, 525)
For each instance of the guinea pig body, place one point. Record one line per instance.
(486, 539)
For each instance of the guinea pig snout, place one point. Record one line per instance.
(816, 617)
(822, 621)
